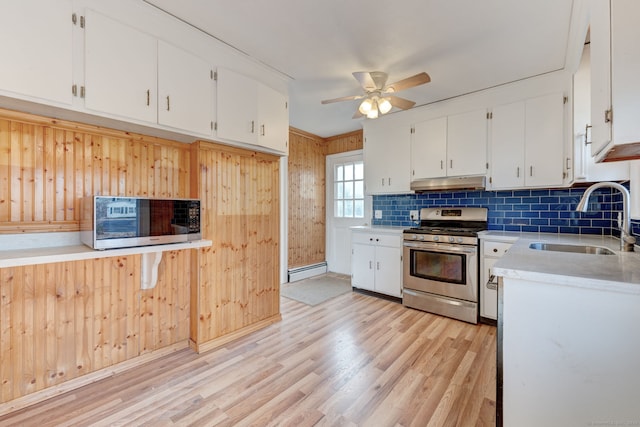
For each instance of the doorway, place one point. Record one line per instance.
(346, 206)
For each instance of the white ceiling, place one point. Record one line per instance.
(464, 45)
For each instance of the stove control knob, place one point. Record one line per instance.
(451, 239)
(459, 239)
(436, 238)
(420, 237)
(414, 237)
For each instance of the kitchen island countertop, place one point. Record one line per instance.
(619, 272)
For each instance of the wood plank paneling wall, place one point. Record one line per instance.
(63, 320)
(346, 142)
(307, 192)
(239, 275)
(47, 165)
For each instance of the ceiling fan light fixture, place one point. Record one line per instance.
(365, 106)
(373, 112)
(384, 105)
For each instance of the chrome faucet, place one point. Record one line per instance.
(627, 240)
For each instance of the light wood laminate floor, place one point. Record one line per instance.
(355, 360)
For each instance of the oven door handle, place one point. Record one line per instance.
(442, 247)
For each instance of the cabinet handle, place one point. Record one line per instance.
(568, 163)
(389, 181)
(587, 134)
(168, 104)
(495, 250)
(441, 164)
(377, 240)
(253, 125)
(450, 164)
(491, 283)
(262, 130)
(383, 182)
(148, 97)
(518, 172)
(371, 239)
(378, 265)
(370, 266)
(530, 170)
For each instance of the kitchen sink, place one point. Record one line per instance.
(578, 249)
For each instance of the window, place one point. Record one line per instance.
(348, 195)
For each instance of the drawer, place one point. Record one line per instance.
(496, 249)
(377, 239)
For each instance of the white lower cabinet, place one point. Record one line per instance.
(376, 261)
(490, 251)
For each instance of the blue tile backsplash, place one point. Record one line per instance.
(547, 211)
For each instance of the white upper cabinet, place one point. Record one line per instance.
(429, 149)
(455, 145)
(185, 88)
(237, 107)
(507, 146)
(251, 112)
(121, 69)
(467, 143)
(615, 87)
(544, 141)
(584, 165)
(273, 119)
(387, 150)
(527, 143)
(37, 47)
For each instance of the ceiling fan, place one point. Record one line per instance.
(378, 97)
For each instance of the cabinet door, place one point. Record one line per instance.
(388, 271)
(600, 36)
(120, 69)
(362, 266)
(429, 149)
(237, 107)
(387, 153)
(273, 118)
(185, 90)
(467, 143)
(488, 296)
(507, 146)
(544, 136)
(37, 46)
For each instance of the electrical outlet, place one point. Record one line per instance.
(413, 215)
(378, 214)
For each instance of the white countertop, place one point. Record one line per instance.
(379, 228)
(18, 257)
(619, 272)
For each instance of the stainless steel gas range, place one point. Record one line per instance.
(441, 263)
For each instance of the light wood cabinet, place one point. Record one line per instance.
(527, 143)
(121, 69)
(455, 145)
(376, 262)
(615, 87)
(37, 47)
(251, 112)
(387, 153)
(185, 90)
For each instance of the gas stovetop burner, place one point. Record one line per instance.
(448, 225)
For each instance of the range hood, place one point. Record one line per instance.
(449, 183)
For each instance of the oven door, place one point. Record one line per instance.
(442, 269)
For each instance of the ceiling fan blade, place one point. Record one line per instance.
(343, 98)
(403, 104)
(371, 81)
(357, 115)
(418, 79)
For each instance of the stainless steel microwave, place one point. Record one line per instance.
(109, 222)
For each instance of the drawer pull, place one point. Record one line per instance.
(492, 284)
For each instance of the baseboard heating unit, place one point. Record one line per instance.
(299, 273)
